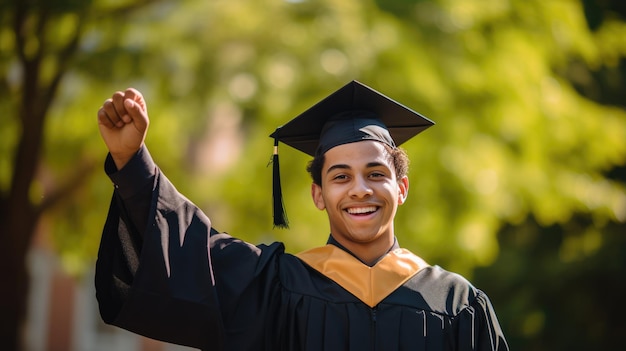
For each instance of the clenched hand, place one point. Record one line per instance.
(123, 122)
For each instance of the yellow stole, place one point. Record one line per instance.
(369, 284)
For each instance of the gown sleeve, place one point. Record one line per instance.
(153, 272)
(477, 327)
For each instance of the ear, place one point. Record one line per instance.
(403, 189)
(316, 194)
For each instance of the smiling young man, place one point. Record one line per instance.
(360, 192)
(163, 270)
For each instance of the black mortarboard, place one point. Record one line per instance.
(353, 113)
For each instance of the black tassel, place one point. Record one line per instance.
(280, 217)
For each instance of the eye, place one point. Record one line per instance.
(377, 175)
(340, 177)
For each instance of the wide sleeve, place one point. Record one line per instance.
(159, 283)
(477, 327)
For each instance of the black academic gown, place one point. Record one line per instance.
(174, 278)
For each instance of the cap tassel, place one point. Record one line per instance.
(280, 217)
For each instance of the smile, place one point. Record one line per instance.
(361, 210)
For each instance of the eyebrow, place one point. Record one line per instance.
(345, 166)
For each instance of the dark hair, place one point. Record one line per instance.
(396, 155)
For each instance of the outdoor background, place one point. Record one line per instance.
(520, 186)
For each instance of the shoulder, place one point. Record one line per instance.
(437, 290)
(224, 246)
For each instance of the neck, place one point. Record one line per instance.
(369, 254)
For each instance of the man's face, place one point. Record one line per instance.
(360, 194)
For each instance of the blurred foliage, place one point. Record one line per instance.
(521, 180)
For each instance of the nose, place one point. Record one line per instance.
(360, 188)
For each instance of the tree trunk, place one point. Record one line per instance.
(19, 215)
(19, 227)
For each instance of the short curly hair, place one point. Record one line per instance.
(396, 155)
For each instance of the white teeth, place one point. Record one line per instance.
(359, 210)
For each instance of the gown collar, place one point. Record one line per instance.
(372, 284)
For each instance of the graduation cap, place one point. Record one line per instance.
(353, 113)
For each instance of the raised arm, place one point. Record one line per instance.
(123, 122)
(153, 273)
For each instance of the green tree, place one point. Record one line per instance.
(528, 146)
(41, 45)
(34, 68)
(560, 284)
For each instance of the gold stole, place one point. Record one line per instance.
(369, 284)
